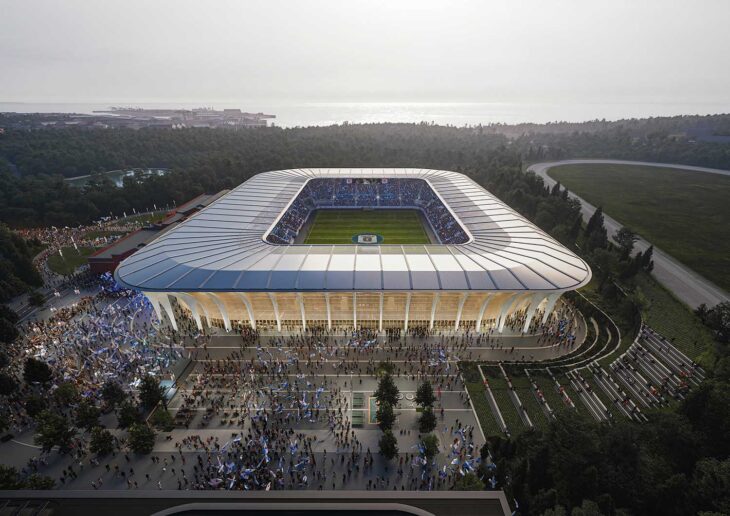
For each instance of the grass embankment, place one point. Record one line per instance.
(685, 213)
(70, 261)
(547, 386)
(499, 388)
(478, 396)
(666, 314)
(529, 401)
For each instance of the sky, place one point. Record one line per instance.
(365, 51)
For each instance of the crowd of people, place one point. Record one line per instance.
(280, 389)
(277, 391)
(55, 240)
(104, 336)
(368, 193)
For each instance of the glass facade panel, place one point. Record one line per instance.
(365, 307)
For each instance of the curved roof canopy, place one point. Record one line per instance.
(222, 248)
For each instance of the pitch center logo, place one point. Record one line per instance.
(367, 239)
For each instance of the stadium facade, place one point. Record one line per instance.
(240, 261)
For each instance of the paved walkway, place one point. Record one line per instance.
(686, 284)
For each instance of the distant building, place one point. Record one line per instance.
(199, 117)
(137, 118)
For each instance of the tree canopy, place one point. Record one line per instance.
(387, 391)
(388, 445)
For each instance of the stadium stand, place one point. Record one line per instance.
(368, 193)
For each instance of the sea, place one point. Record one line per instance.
(304, 114)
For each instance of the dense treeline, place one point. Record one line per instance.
(17, 272)
(673, 126)
(76, 152)
(210, 160)
(73, 152)
(620, 143)
(33, 163)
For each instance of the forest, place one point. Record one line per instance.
(17, 272)
(33, 164)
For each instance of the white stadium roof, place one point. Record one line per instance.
(222, 248)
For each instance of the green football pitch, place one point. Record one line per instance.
(340, 226)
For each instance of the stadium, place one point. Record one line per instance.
(334, 249)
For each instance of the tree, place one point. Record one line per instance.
(708, 411)
(102, 441)
(36, 371)
(387, 391)
(625, 238)
(9, 478)
(711, 484)
(596, 221)
(38, 482)
(430, 445)
(575, 230)
(469, 482)
(8, 331)
(384, 367)
(150, 392)
(35, 298)
(9, 314)
(598, 239)
(35, 404)
(385, 415)
(427, 421)
(647, 258)
(4, 358)
(717, 319)
(388, 445)
(8, 384)
(128, 414)
(596, 236)
(87, 415)
(53, 430)
(424, 395)
(141, 438)
(587, 508)
(67, 393)
(162, 420)
(112, 393)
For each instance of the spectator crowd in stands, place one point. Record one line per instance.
(368, 193)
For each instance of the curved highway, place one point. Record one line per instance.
(686, 284)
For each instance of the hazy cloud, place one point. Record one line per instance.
(223, 51)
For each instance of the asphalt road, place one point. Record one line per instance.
(686, 284)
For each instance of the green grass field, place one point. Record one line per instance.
(339, 226)
(686, 214)
(478, 395)
(71, 260)
(670, 317)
